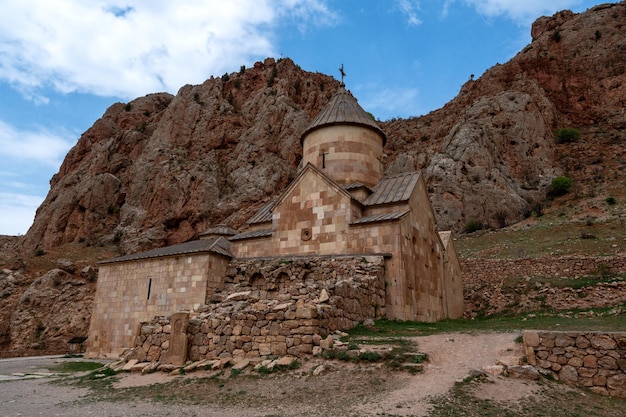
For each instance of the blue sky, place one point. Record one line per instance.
(63, 63)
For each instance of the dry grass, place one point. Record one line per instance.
(547, 236)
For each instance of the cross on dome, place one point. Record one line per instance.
(343, 74)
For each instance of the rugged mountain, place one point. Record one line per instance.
(162, 168)
(490, 153)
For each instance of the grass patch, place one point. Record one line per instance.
(72, 367)
(602, 319)
(550, 400)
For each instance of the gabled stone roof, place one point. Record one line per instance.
(356, 186)
(220, 230)
(309, 167)
(218, 246)
(394, 189)
(343, 109)
(252, 235)
(264, 215)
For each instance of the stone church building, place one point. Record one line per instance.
(339, 205)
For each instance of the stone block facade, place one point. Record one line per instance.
(275, 307)
(585, 359)
(132, 292)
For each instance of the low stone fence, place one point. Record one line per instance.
(593, 360)
(478, 271)
(274, 308)
(31, 352)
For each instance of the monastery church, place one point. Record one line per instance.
(339, 206)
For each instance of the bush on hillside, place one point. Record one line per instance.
(473, 226)
(560, 186)
(567, 135)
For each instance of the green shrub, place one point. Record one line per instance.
(560, 186)
(473, 226)
(567, 135)
(370, 356)
(611, 201)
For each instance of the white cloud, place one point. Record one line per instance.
(522, 12)
(40, 146)
(131, 48)
(18, 212)
(30, 157)
(410, 8)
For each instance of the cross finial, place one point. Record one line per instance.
(343, 74)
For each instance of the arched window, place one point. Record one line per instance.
(257, 281)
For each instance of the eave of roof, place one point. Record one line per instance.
(251, 235)
(221, 230)
(218, 246)
(381, 217)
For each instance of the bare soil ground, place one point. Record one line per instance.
(341, 389)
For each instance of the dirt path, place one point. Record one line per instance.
(451, 358)
(342, 389)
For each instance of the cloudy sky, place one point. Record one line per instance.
(63, 63)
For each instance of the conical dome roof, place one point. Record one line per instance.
(343, 109)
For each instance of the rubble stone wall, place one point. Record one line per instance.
(276, 307)
(585, 359)
(477, 271)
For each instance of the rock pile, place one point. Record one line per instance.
(281, 308)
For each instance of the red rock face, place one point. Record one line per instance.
(163, 168)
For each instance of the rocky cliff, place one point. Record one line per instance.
(162, 168)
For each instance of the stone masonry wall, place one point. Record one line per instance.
(491, 286)
(593, 360)
(477, 271)
(276, 307)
